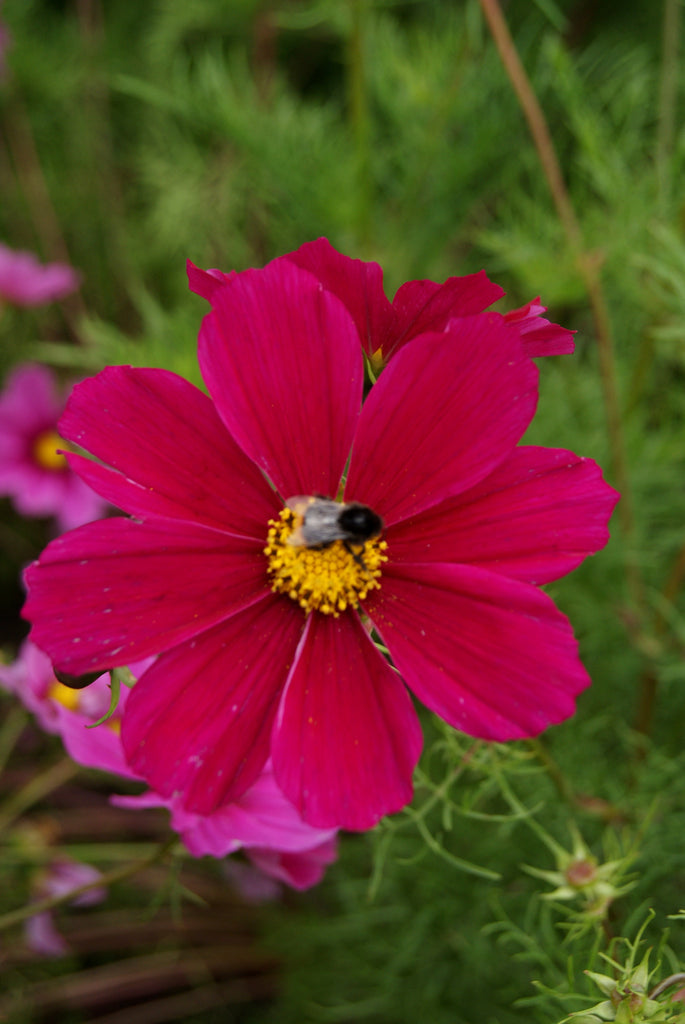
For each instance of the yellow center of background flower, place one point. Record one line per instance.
(45, 450)
(64, 695)
(71, 700)
(327, 580)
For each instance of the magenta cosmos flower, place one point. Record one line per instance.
(33, 472)
(26, 282)
(266, 644)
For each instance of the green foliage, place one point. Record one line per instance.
(139, 135)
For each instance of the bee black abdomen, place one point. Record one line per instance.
(360, 522)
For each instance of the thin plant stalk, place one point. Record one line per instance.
(359, 114)
(587, 262)
(29, 173)
(668, 93)
(589, 269)
(104, 881)
(12, 728)
(36, 789)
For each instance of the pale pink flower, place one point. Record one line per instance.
(33, 473)
(26, 282)
(60, 878)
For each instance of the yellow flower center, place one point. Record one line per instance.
(329, 579)
(45, 450)
(64, 695)
(70, 699)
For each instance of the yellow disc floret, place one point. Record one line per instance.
(45, 450)
(65, 696)
(328, 579)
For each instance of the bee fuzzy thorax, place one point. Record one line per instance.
(320, 562)
(320, 521)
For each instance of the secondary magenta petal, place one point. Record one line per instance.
(116, 591)
(424, 306)
(282, 359)
(492, 656)
(206, 282)
(346, 738)
(300, 870)
(441, 417)
(359, 285)
(262, 817)
(199, 720)
(173, 455)
(534, 518)
(540, 337)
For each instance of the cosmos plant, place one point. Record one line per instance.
(275, 641)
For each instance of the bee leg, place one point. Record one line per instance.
(357, 555)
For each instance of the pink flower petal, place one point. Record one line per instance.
(424, 306)
(490, 655)
(206, 282)
(173, 454)
(29, 402)
(540, 337)
(357, 284)
(282, 360)
(29, 678)
(445, 412)
(299, 870)
(42, 936)
(534, 518)
(115, 591)
(199, 720)
(261, 816)
(346, 738)
(29, 408)
(98, 747)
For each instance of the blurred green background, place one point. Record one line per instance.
(136, 135)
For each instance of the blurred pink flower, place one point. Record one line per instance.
(265, 646)
(262, 821)
(32, 472)
(60, 878)
(26, 282)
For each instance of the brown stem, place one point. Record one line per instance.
(589, 269)
(29, 172)
(668, 93)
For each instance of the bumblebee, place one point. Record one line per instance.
(323, 521)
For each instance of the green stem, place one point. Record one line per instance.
(12, 728)
(554, 771)
(668, 91)
(105, 880)
(90, 852)
(359, 115)
(36, 789)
